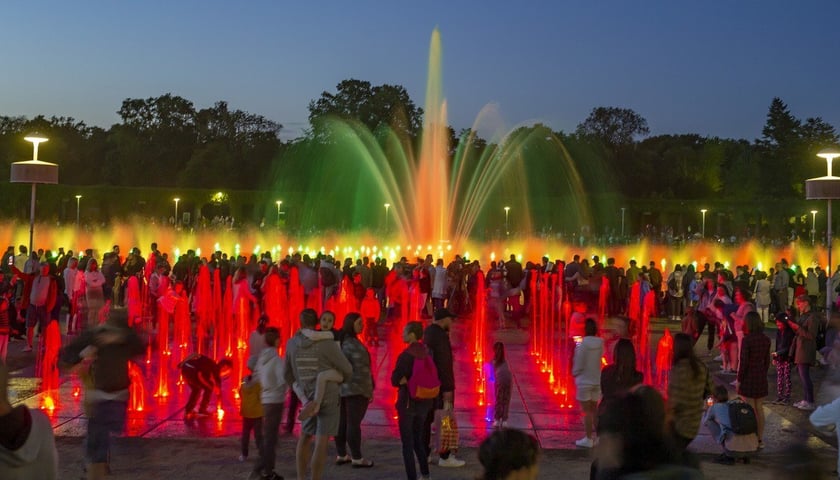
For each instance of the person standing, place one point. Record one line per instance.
(586, 368)
(805, 348)
(112, 345)
(356, 394)
(412, 412)
(754, 364)
(94, 293)
(437, 341)
(270, 371)
(305, 359)
(689, 385)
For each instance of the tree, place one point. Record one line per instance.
(373, 106)
(614, 126)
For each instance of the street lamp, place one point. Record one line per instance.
(622, 221)
(507, 229)
(703, 227)
(813, 227)
(826, 188)
(176, 210)
(78, 201)
(387, 206)
(278, 203)
(34, 171)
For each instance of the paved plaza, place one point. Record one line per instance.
(159, 442)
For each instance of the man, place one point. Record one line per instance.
(269, 369)
(437, 341)
(111, 346)
(42, 296)
(204, 376)
(305, 359)
(780, 286)
(21, 258)
(632, 273)
(74, 290)
(27, 444)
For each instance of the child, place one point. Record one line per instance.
(371, 311)
(501, 373)
(252, 413)
(728, 338)
(311, 406)
(782, 358)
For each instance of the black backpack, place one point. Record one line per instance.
(742, 418)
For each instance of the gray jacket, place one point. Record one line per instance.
(305, 359)
(361, 382)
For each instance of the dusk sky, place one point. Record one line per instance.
(707, 67)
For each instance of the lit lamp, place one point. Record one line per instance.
(176, 210)
(703, 228)
(78, 202)
(507, 229)
(813, 227)
(825, 188)
(34, 172)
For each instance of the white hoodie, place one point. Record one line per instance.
(587, 364)
(36, 458)
(270, 372)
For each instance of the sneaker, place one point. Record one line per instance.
(803, 405)
(27, 348)
(339, 460)
(719, 358)
(585, 442)
(760, 445)
(451, 462)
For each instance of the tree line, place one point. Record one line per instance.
(166, 141)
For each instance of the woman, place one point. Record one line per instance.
(805, 349)
(762, 296)
(509, 454)
(740, 319)
(356, 394)
(94, 297)
(586, 368)
(689, 385)
(621, 375)
(755, 362)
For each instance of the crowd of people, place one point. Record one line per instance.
(325, 380)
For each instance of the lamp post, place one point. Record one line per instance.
(703, 227)
(278, 203)
(34, 171)
(826, 188)
(813, 227)
(622, 221)
(387, 206)
(78, 202)
(176, 210)
(507, 228)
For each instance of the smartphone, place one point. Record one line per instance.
(11, 261)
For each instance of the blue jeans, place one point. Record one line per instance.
(107, 417)
(411, 422)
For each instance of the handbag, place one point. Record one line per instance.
(448, 434)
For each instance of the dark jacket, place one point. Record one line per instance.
(784, 341)
(436, 340)
(110, 368)
(361, 382)
(203, 369)
(404, 368)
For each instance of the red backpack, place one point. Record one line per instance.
(424, 383)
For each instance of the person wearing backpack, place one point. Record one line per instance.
(732, 425)
(416, 378)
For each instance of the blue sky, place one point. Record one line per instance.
(707, 67)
